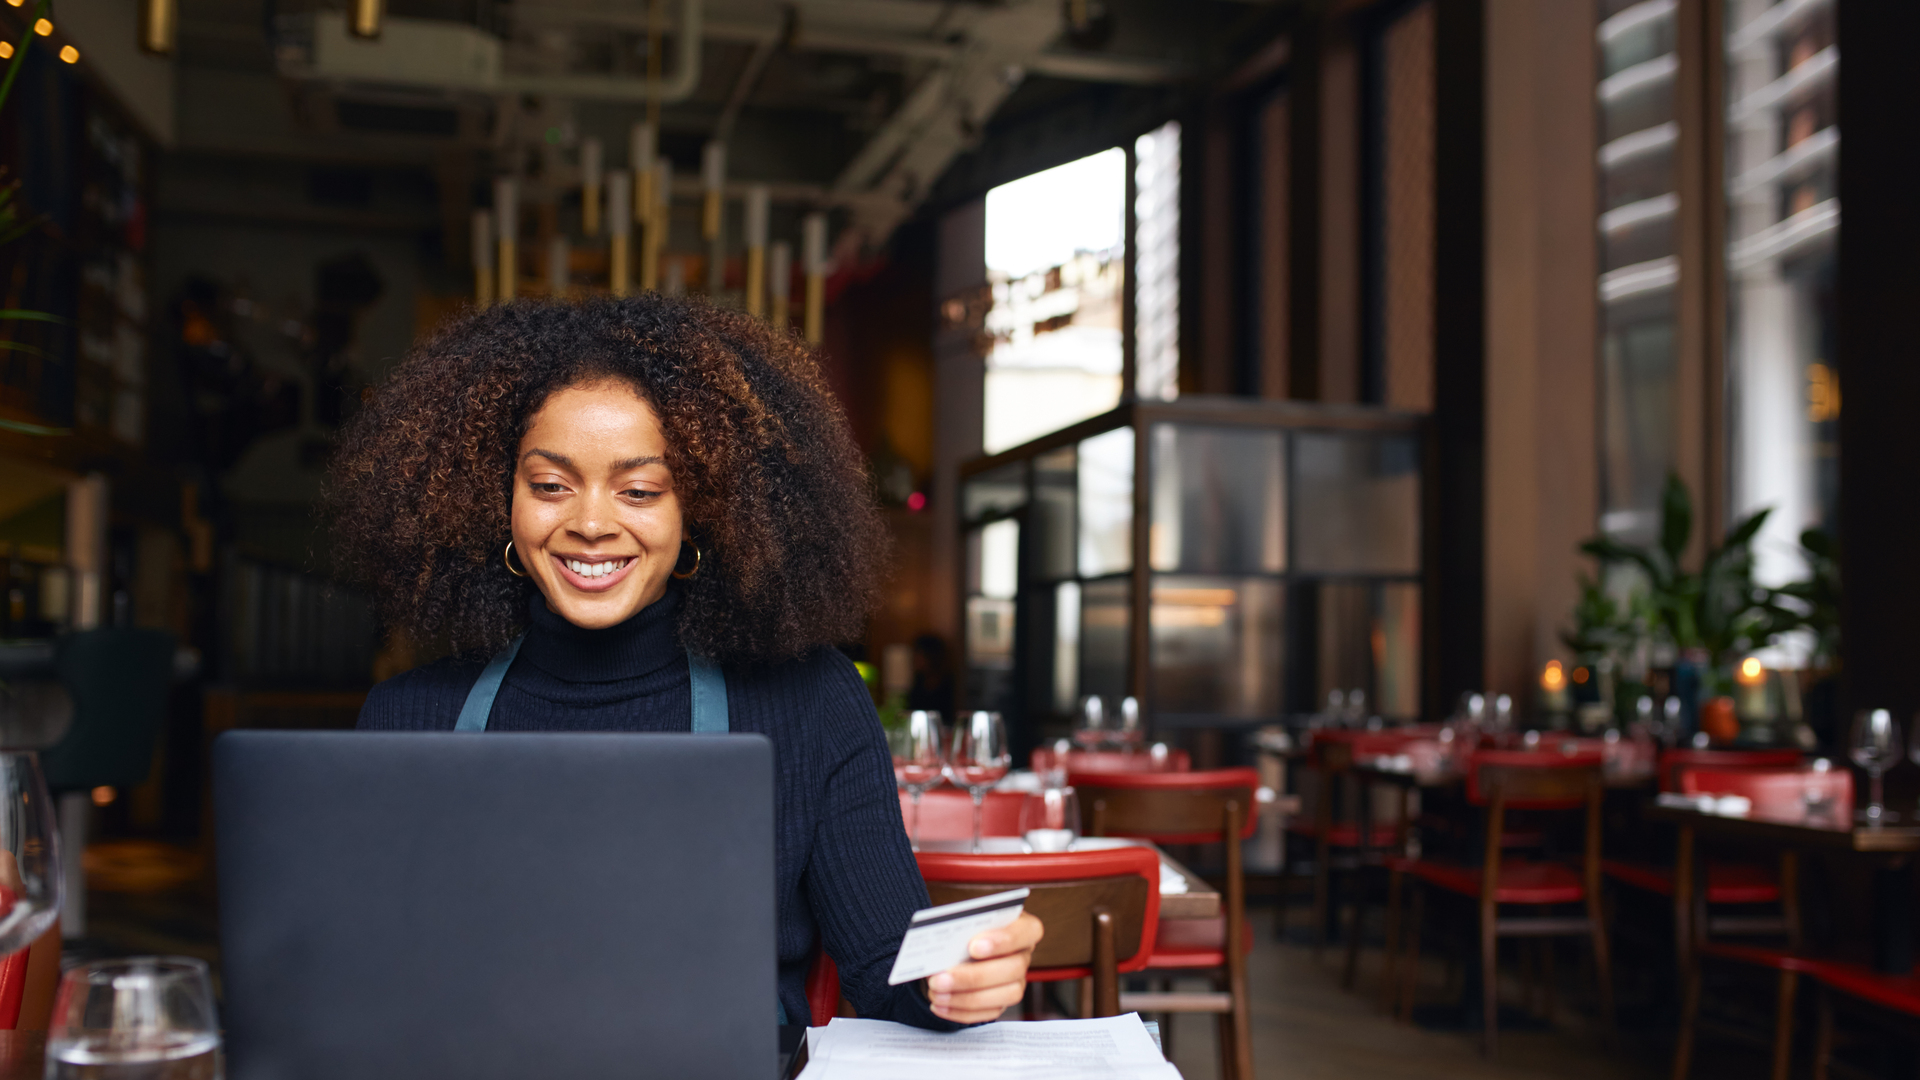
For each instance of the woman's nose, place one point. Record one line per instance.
(594, 516)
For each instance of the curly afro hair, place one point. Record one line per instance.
(771, 484)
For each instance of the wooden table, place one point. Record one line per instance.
(23, 1055)
(1200, 901)
(1891, 850)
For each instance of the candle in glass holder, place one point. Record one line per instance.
(1553, 689)
(1751, 679)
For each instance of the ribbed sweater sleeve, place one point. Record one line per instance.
(862, 881)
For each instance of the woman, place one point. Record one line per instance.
(615, 499)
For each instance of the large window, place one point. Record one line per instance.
(1055, 259)
(1782, 219)
(1639, 261)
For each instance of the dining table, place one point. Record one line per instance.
(1889, 851)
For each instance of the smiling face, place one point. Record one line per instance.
(595, 519)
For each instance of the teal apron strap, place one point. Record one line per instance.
(709, 697)
(479, 707)
(709, 708)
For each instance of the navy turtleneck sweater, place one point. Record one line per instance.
(845, 874)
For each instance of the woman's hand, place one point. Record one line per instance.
(980, 989)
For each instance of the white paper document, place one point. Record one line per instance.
(937, 937)
(1111, 1048)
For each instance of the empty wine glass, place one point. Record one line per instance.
(1050, 820)
(1093, 723)
(1131, 730)
(30, 880)
(919, 748)
(1875, 746)
(978, 759)
(1816, 790)
(149, 1016)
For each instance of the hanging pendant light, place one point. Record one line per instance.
(159, 21)
(364, 18)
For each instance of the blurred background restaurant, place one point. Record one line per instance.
(1275, 364)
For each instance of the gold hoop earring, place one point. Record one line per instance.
(696, 563)
(507, 557)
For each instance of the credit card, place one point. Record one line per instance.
(938, 937)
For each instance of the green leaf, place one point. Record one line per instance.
(30, 316)
(32, 429)
(1676, 518)
(19, 346)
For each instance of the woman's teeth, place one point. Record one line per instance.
(593, 570)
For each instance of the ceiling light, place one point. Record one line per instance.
(363, 21)
(158, 21)
(43, 27)
(70, 54)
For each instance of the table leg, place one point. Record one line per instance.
(1683, 883)
(1893, 897)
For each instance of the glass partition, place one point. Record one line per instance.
(1283, 561)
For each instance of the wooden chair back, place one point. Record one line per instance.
(1503, 780)
(1101, 909)
(1168, 808)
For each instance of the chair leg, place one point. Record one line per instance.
(1489, 982)
(1603, 965)
(1359, 906)
(1823, 1040)
(1242, 1045)
(1390, 956)
(1322, 884)
(1783, 1026)
(1226, 1037)
(1529, 982)
(1689, 1011)
(1410, 977)
(1084, 1006)
(1546, 978)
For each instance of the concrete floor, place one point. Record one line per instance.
(1305, 1027)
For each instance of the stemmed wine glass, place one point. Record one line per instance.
(979, 759)
(1875, 746)
(1093, 723)
(1050, 820)
(1131, 730)
(919, 757)
(30, 881)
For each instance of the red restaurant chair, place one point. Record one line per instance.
(1503, 780)
(946, 813)
(1898, 994)
(1043, 758)
(823, 990)
(1779, 791)
(1331, 758)
(1211, 807)
(1100, 909)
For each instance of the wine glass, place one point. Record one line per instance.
(1874, 747)
(30, 882)
(978, 759)
(141, 1017)
(1093, 723)
(918, 759)
(1131, 730)
(1050, 820)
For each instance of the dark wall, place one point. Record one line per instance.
(1879, 322)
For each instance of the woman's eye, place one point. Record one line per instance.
(547, 488)
(638, 495)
